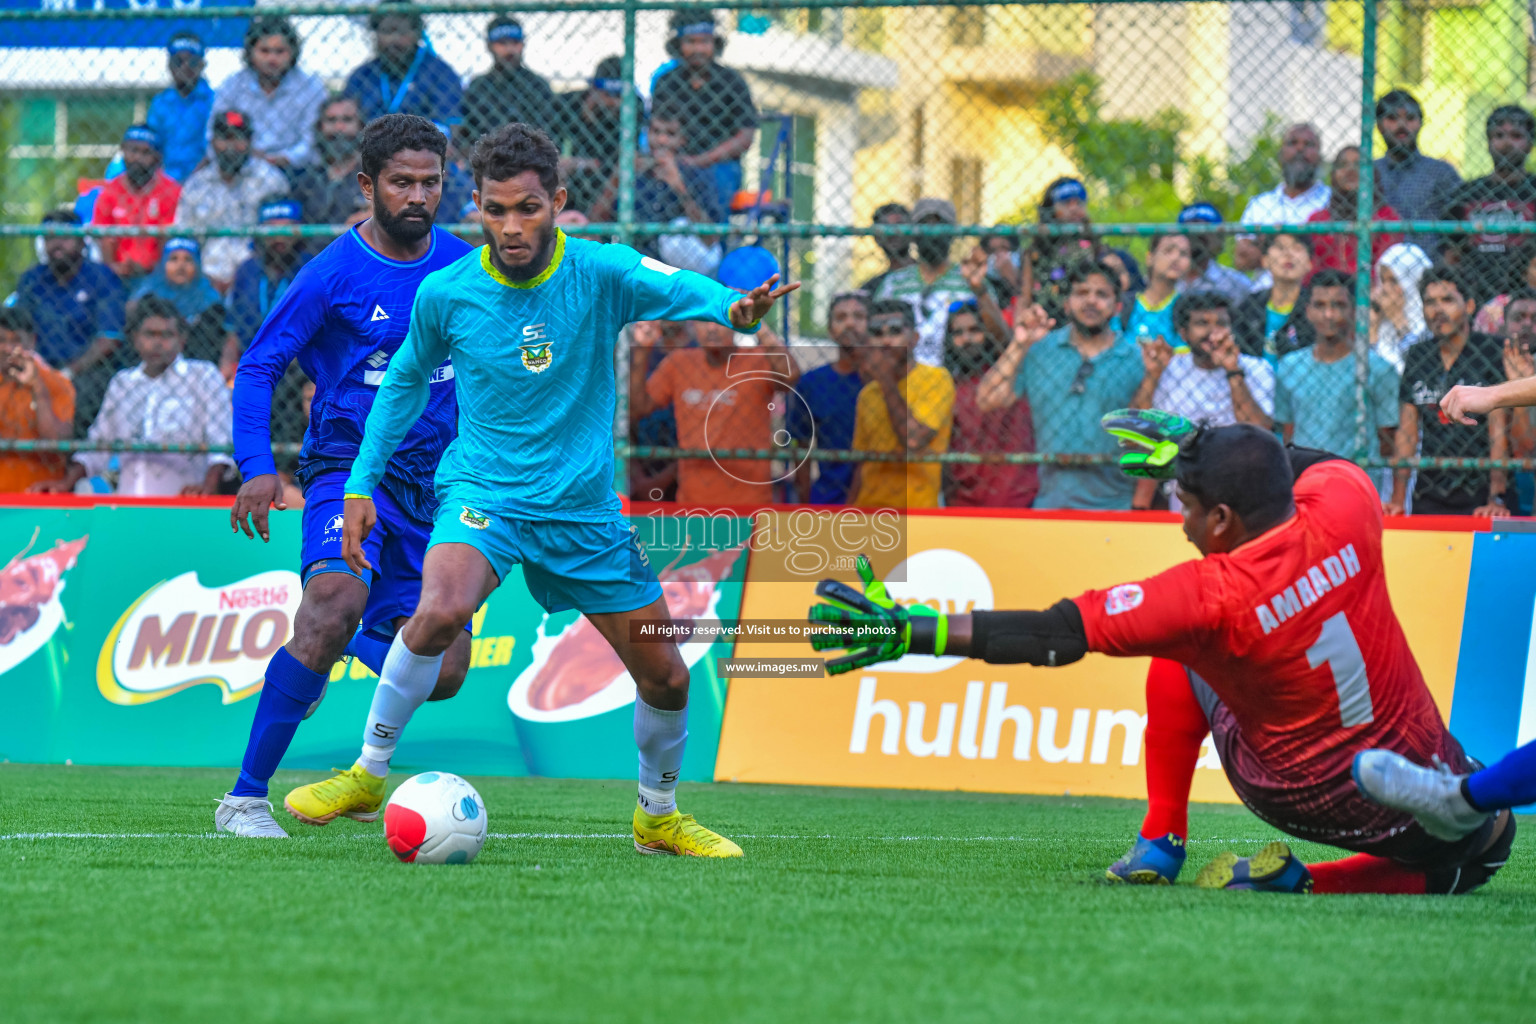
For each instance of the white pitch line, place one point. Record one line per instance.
(16, 836)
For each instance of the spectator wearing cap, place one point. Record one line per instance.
(261, 280)
(328, 190)
(1206, 272)
(824, 418)
(666, 190)
(588, 131)
(227, 193)
(76, 304)
(404, 76)
(897, 249)
(180, 114)
(1065, 202)
(719, 119)
(37, 403)
(142, 196)
(509, 91)
(281, 101)
(1492, 262)
(1298, 196)
(1415, 185)
(1337, 252)
(166, 399)
(1210, 382)
(934, 282)
(180, 281)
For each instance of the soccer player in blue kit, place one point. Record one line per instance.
(343, 319)
(530, 321)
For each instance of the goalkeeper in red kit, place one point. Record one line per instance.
(1281, 641)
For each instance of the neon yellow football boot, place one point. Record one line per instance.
(679, 835)
(353, 792)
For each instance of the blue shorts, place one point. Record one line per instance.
(395, 548)
(592, 567)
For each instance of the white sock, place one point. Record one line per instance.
(405, 684)
(661, 737)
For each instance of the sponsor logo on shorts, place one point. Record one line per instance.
(537, 358)
(336, 522)
(1123, 598)
(473, 519)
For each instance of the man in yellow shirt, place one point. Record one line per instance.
(905, 407)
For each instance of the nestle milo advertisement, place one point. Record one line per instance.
(132, 635)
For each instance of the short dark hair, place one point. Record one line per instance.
(900, 307)
(1198, 301)
(1331, 278)
(335, 98)
(1080, 270)
(153, 306)
(1440, 273)
(514, 149)
(14, 318)
(858, 295)
(264, 25)
(1509, 113)
(384, 10)
(1158, 240)
(886, 209)
(1268, 242)
(1526, 294)
(1242, 466)
(62, 215)
(610, 67)
(1398, 99)
(389, 134)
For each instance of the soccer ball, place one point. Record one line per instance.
(435, 818)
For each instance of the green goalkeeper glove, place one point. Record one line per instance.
(878, 629)
(1152, 437)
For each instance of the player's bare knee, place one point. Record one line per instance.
(320, 633)
(667, 689)
(451, 678)
(434, 627)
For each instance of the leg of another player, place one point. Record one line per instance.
(395, 701)
(295, 679)
(661, 734)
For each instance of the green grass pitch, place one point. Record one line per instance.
(851, 905)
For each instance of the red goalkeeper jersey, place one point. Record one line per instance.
(1294, 631)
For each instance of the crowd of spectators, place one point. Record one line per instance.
(985, 347)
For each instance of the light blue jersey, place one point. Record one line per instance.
(533, 365)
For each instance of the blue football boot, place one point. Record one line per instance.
(1272, 869)
(1149, 862)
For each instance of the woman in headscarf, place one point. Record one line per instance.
(179, 279)
(969, 352)
(1397, 310)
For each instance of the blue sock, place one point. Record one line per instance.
(370, 648)
(289, 690)
(1510, 782)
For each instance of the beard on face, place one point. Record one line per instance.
(138, 174)
(403, 227)
(1299, 172)
(335, 149)
(1083, 327)
(933, 250)
(231, 161)
(966, 361)
(534, 267)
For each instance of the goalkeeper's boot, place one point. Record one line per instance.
(354, 793)
(247, 816)
(1272, 869)
(1149, 862)
(1432, 795)
(679, 835)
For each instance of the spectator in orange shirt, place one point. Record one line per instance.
(724, 397)
(142, 196)
(37, 402)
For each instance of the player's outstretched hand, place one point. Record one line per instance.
(1151, 438)
(754, 305)
(358, 520)
(1463, 402)
(257, 497)
(876, 627)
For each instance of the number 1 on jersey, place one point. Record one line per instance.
(1337, 648)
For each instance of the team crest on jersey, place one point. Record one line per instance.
(473, 519)
(1123, 598)
(537, 358)
(335, 523)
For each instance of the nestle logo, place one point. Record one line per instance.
(252, 597)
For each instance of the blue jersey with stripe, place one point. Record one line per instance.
(534, 374)
(344, 318)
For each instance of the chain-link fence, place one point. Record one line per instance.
(1006, 220)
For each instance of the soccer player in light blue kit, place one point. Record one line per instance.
(530, 322)
(343, 318)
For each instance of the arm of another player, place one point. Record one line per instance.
(402, 396)
(654, 291)
(1463, 401)
(290, 326)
